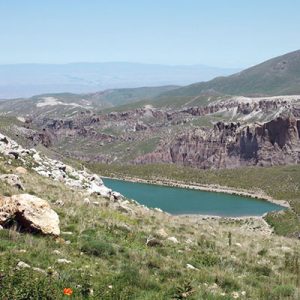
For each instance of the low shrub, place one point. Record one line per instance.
(98, 248)
(227, 283)
(262, 270)
(283, 291)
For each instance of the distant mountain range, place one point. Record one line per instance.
(67, 104)
(211, 124)
(278, 76)
(26, 80)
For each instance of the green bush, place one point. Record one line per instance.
(206, 244)
(227, 283)
(262, 270)
(21, 285)
(205, 260)
(292, 264)
(283, 291)
(98, 248)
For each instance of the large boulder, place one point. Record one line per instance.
(30, 212)
(21, 170)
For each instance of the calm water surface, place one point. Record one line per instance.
(185, 201)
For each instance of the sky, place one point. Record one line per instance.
(222, 33)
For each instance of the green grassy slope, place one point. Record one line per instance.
(108, 257)
(125, 96)
(277, 76)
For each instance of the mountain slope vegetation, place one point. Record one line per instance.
(103, 253)
(277, 76)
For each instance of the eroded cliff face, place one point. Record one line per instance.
(232, 145)
(258, 131)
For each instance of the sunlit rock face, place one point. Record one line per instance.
(230, 145)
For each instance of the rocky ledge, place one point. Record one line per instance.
(230, 145)
(34, 214)
(55, 169)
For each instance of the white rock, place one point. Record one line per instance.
(63, 261)
(95, 178)
(117, 195)
(86, 201)
(286, 249)
(33, 151)
(158, 209)
(59, 203)
(173, 239)
(191, 267)
(57, 175)
(37, 157)
(22, 265)
(161, 233)
(22, 251)
(67, 233)
(40, 270)
(100, 190)
(21, 170)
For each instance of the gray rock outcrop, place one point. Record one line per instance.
(230, 145)
(30, 212)
(53, 169)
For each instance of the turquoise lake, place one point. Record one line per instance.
(186, 201)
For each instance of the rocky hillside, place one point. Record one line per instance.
(230, 145)
(224, 133)
(197, 125)
(112, 248)
(54, 169)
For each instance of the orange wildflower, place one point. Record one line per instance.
(68, 291)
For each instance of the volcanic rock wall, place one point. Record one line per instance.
(230, 145)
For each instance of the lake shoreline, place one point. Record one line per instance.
(205, 187)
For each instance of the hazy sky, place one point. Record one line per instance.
(226, 33)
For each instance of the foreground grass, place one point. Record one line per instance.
(281, 183)
(109, 259)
